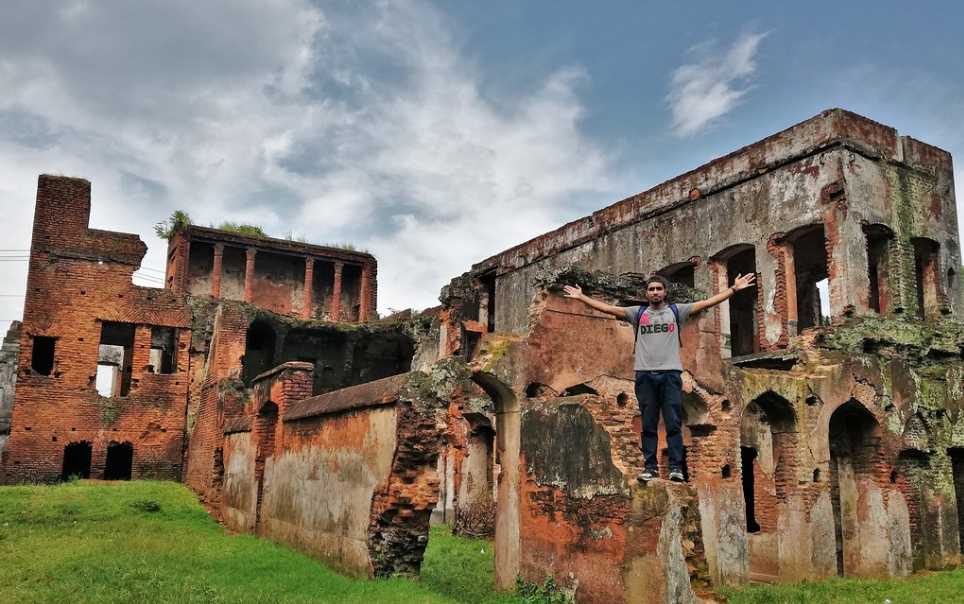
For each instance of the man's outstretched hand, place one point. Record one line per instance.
(743, 281)
(572, 291)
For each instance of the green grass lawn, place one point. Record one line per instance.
(96, 542)
(926, 588)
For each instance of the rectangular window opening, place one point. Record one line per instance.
(927, 276)
(108, 380)
(163, 350)
(116, 350)
(42, 359)
(742, 305)
(878, 248)
(487, 307)
(810, 267)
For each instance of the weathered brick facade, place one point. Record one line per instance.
(821, 409)
(820, 441)
(79, 280)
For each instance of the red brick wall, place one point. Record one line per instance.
(77, 279)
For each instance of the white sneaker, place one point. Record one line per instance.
(676, 475)
(647, 475)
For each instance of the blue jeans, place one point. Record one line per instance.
(661, 391)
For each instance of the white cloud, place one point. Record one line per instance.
(365, 126)
(705, 90)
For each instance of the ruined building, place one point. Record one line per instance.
(822, 408)
(824, 431)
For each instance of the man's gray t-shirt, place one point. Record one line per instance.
(657, 344)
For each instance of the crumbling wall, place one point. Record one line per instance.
(341, 355)
(9, 358)
(79, 279)
(348, 476)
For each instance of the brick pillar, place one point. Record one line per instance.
(309, 288)
(335, 308)
(216, 270)
(250, 253)
(364, 301)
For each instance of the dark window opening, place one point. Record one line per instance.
(816, 475)
(351, 277)
(488, 284)
(199, 266)
(957, 467)
(259, 351)
(726, 471)
(42, 358)
(579, 389)
(748, 459)
(217, 471)
(535, 390)
(878, 265)
(76, 461)
(163, 350)
(682, 273)
(927, 275)
(472, 343)
(115, 355)
(742, 305)
(120, 461)
(621, 399)
(811, 271)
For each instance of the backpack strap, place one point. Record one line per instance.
(639, 317)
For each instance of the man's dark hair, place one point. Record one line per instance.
(658, 279)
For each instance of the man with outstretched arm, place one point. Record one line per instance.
(659, 386)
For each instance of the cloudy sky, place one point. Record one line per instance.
(433, 134)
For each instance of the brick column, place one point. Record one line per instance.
(250, 253)
(335, 307)
(309, 287)
(364, 301)
(216, 270)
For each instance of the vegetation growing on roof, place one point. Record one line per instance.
(249, 230)
(178, 220)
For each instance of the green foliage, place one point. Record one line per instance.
(176, 221)
(250, 230)
(547, 593)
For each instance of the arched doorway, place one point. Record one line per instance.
(768, 442)
(508, 448)
(854, 450)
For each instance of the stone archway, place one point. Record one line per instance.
(508, 447)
